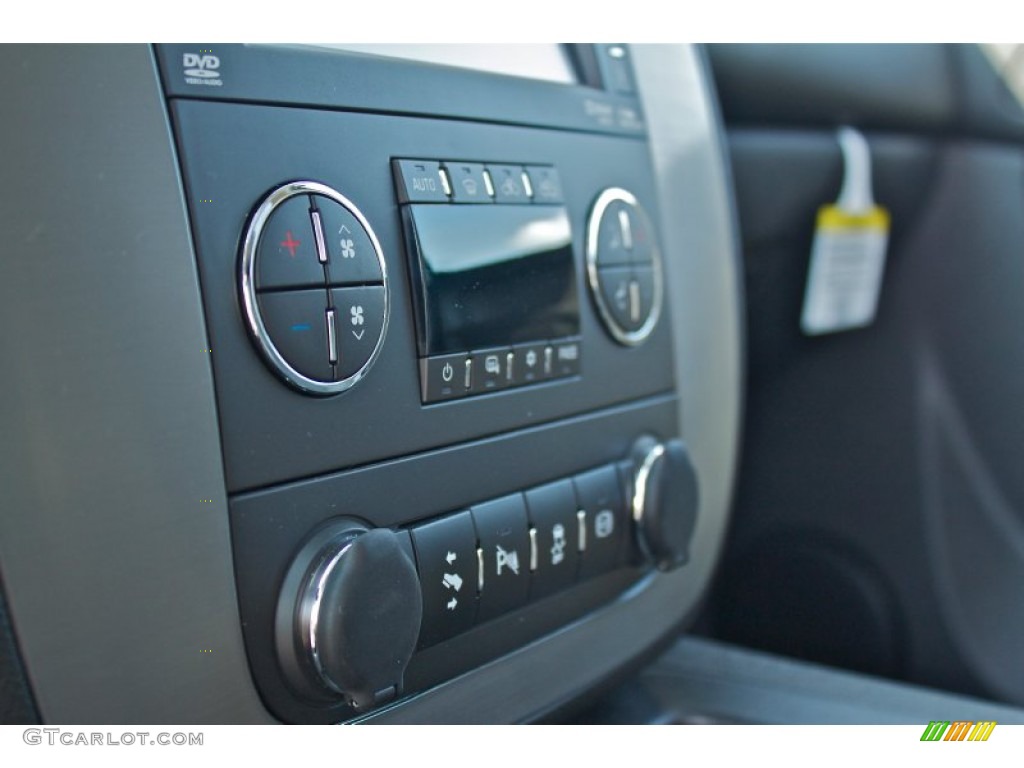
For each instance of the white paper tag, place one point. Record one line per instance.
(847, 262)
(848, 255)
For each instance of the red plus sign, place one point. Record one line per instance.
(290, 243)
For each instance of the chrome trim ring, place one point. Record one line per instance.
(639, 501)
(309, 613)
(620, 334)
(247, 282)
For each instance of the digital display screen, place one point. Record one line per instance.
(491, 276)
(537, 61)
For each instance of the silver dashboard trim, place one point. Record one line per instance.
(309, 613)
(639, 500)
(113, 478)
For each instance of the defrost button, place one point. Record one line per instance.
(468, 183)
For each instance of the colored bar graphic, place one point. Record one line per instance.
(958, 730)
(934, 730)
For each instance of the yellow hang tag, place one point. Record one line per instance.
(848, 254)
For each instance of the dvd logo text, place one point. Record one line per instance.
(201, 69)
(197, 65)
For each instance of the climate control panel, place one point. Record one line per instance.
(624, 267)
(314, 287)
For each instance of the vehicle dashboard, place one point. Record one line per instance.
(180, 470)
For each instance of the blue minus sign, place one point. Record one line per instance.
(300, 327)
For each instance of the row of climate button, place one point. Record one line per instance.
(499, 555)
(448, 377)
(444, 181)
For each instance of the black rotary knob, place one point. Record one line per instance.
(349, 616)
(665, 501)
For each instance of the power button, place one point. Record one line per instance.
(446, 377)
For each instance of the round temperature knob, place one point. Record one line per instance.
(665, 501)
(624, 267)
(349, 615)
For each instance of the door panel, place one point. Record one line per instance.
(879, 520)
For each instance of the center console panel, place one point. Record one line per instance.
(444, 371)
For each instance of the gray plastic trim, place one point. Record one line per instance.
(114, 538)
(701, 680)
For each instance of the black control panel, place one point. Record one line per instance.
(447, 181)
(444, 378)
(493, 275)
(426, 586)
(498, 555)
